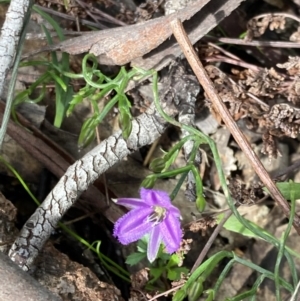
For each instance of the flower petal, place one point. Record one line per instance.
(133, 225)
(171, 233)
(155, 197)
(132, 203)
(154, 243)
(174, 211)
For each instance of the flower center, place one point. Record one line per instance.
(158, 215)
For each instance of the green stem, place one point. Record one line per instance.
(250, 293)
(267, 273)
(178, 185)
(217, 160)
(104, 259)
(282, 248)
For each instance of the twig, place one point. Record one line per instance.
(69, 17)
(151, 151)
(256, 43)
(227, 53)
(166, 292)
(102, 16)
(286, 171)
(207, 84)
(286, 15)
(210, 241)
(255, 98)
(224, 59)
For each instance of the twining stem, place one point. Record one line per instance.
(218, 163)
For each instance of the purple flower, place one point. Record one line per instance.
(152, 214)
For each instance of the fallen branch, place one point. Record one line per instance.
(145, 129)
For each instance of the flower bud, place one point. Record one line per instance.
(125, 123)
(195, 290)
(149, 182)
(87, 133)
(200, 203)
(157, 165)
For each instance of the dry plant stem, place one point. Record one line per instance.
(255, 43)
(294, 296)
(227, 53)
(166, 292)
(151, 151)
(218, 104)
(223, 59)
(69, 17)
(286, 15)
(145, 129)
(249, 94)
(104, 17)
(211, 241)
(285, 172)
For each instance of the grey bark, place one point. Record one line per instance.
(15, 284)
(10, 35)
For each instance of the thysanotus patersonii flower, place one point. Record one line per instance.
(152, 214)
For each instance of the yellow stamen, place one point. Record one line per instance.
(158, 215)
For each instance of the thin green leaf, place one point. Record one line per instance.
(234, 225)
(288, 189)
(58, 80)
(53, 23)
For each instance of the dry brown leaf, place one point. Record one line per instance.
(122, 45)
